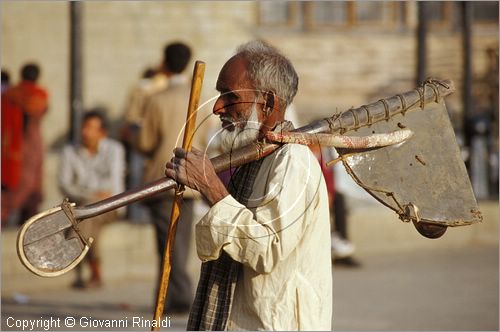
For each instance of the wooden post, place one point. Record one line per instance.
(76, 99)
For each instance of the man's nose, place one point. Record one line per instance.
(219, 107)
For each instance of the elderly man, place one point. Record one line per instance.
(265, 242)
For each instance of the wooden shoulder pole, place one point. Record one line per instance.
(194, 98)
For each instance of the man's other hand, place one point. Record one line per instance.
(194, 169)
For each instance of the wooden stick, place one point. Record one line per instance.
(194, 98)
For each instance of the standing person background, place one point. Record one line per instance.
(161, 130)
(90, 172)
(23, 108)
(152, 81)
(265, 242)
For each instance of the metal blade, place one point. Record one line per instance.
(422, 179)
(48, 245)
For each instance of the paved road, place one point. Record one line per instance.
(445, 290)
(440, 290)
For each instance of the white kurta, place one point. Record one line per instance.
(283, 241)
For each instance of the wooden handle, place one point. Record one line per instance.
(189, 129)
(194, 101)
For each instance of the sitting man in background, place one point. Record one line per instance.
(89, 172)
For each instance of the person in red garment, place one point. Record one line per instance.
(23, 107)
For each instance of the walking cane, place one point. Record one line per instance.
(194, 98)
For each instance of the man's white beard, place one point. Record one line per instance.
(239, 137)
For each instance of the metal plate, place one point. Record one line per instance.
(45, 246)
(422, 179)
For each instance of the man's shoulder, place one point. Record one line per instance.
(13, 93)
(153, 97)
(112, 144)
(41, 91)
(171, 90)
(296, 150)
(297, 158)
(70, 152)
(33, 89)
(165, 97)
(69, 148)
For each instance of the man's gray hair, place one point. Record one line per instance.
(269, 70)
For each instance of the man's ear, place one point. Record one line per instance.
(271, 111)
(269, 103)
(270, 99)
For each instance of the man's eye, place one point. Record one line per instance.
(230, 96)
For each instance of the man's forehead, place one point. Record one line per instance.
(233, 74)
(94, 121)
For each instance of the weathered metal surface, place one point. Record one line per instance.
(46, 226)
(45, 246)
(54, 253)
(424, 178)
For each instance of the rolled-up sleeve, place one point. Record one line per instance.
(263, 239)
